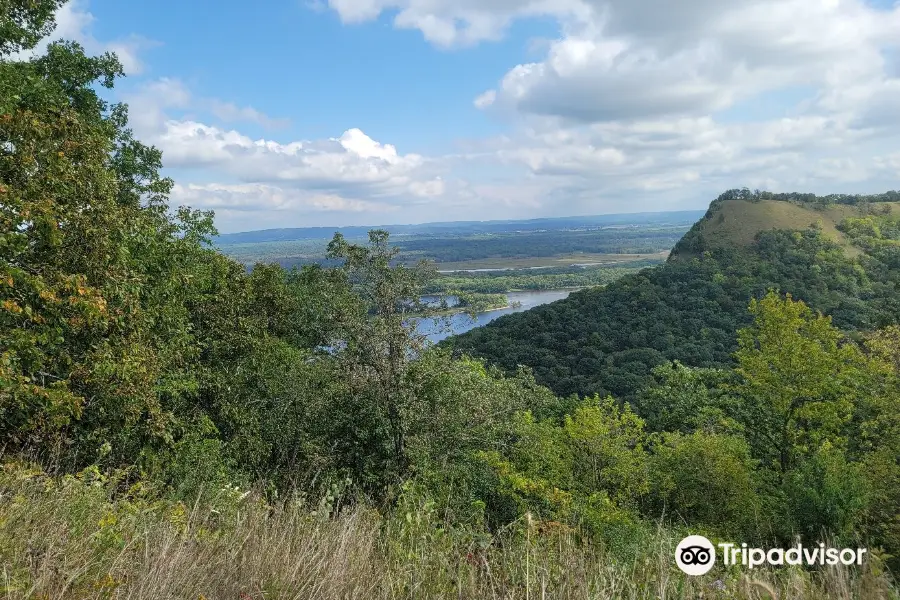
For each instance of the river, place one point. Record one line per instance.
(439, 329)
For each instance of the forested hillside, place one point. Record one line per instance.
(608, 340)
(174, 426)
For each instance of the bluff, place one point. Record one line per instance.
(839, 253)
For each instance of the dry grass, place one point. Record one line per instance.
(67, 539)
(737, 221)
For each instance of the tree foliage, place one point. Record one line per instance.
(796, 371)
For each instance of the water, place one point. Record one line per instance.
(437, 329)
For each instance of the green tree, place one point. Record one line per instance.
(23, 23)
(826, 494)
(113, 310)
(379, 344)
(590, 470)
(798, 373)
(89, 309)
(687, 399)
(705, 479)
(878, 440)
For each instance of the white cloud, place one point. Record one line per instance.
(149, 105)
(627, 106)
(147, 109)
(623, 59)
(228, 112)
(351, 162)
(428, 189)
(351, 173)
(890, 164)
(664, 163)
(485, 99)
(448, 23)
(629, 102)
(655, 58)
(260, 197)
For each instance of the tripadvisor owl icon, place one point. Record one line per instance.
(695, 555)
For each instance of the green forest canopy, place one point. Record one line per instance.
(608, 340)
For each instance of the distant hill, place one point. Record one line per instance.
(606, 340)
(737, 217)
(464, 227)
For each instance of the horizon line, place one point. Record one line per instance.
(488, 221)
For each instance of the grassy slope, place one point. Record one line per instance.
(736, 222)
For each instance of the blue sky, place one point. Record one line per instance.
(290, 61)
(339, 112)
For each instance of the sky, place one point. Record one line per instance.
(297, 113)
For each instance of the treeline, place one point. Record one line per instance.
(464, 228)
(636, 240)
(808, 199)
(496, 282)
(526, 244)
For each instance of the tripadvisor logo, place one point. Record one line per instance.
(696, 555)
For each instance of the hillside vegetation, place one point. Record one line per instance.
(174, 426)
(736, 218)
(608, 340)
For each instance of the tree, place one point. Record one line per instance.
(23, 23)
(597, 451)
(705, 479)
(799, 375)
(95, 325)
(79, 299)
(826, 493)
(878, 440)
(381, 340)
(686, 399)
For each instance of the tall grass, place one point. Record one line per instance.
(75, 538)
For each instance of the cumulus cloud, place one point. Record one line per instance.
(351, 173)
(654, 58)
(352, 161)
(622, 59)
(631, 99)
(660, 163)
